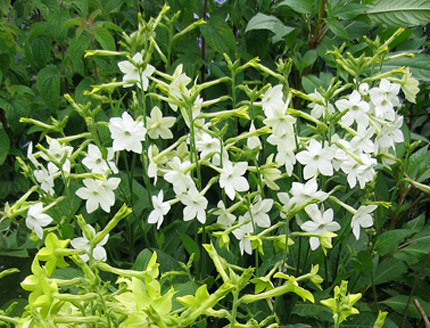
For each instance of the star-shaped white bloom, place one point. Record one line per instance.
(223, 217)
(241, 233)
(160, 209)
(318, 109)
(178, 85)
(158, 126)
(152, 166)
(259, 212)
(316, 159)
(281, 123)
(357, 109)
(362, 219)
(303, 193)
(60, 153)
(95, 162)
(232, 179)
(384, 99)
(127, 133)
(207, 144)
(98, 193)
(134, 74)
(46, 177)
(98, 253)
(321, 222)
(36, 219)
(195, 205)
(30, 155)
(272, 100)
(362, 142)
(181, 181)
(390, 134)
(254, 141)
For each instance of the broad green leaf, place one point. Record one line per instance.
(142, 260)
(398, 304)
(388, 270)
(191, 246)
(4, 145)
(363, 262)
(48, 85)
(219, 36)
(418, 163)
(345, 10)
(309, 57)
(81, 6)
(271, 23)
(4, 7)
(103, 37)
(397, 13)
(337, 28)
(389, 240)
(56, 21)
(299, 6)
(76, 52)
(416, 224)
(41, 50)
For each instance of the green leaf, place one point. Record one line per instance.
(191, 246)
(48, 85)
(4, 7)
(142, 260)
(398, 304)
(389, 240)
(388, 270)
(103, 37)
(397, 13)
(363, 262)
(271, 23)
(309, 58)
(76, 53)
(347, 10)
(4, 145)
(299, 6)
(337, 28)
(81, 6)
(416, 224)
(219, 36)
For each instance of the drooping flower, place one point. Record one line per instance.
(95, 162)
(160, 209)
(320, 223)
(60, 153)
(259, 212)
(316, 159)
(181, 181)
(98, 253)
(384, 99)
(409, 86)
(362, 219)
(223, 217)
(195, 205)
(253, 142)
(232, 179)
(241, 233)
(46, 177)
(98, 193)
(158, 126)
(134, 74)
(272, 100)
(127, 133)
(36, 219)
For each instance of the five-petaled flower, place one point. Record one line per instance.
(127, 133)
(98, 193)
(160, 209)
(134, 73)
(98, 252)
(36, 219)
(231, 178)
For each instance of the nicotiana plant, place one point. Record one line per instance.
(244, 171)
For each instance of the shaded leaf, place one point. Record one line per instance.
(299, 6)
(398, 304)
(219, 36)
(389, 240)
(388, 270)
(271, 23)
(48, 85)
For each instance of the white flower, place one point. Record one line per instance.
(241, 233)
(303, 193)
(158, 126)
(195, 205)
(362, 218)
(98, 193)
(181, 181)
(178, 85)
(272, 100)
(36, 219)
(231, 178)
(152, 166)
(99, 253)
(95, 162)
(362, 141)
(160, 209)
(30, 155)
(357, 109)
(46, 177)
(316, 158)
(207, 144)
(321, 222)
(134, 74)
(318, 109)
(385, 99)
(59, 153)
(225, 218)
(127, 133)
(253, 142)
(281, 123)
(259, 212)
(390, 134)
